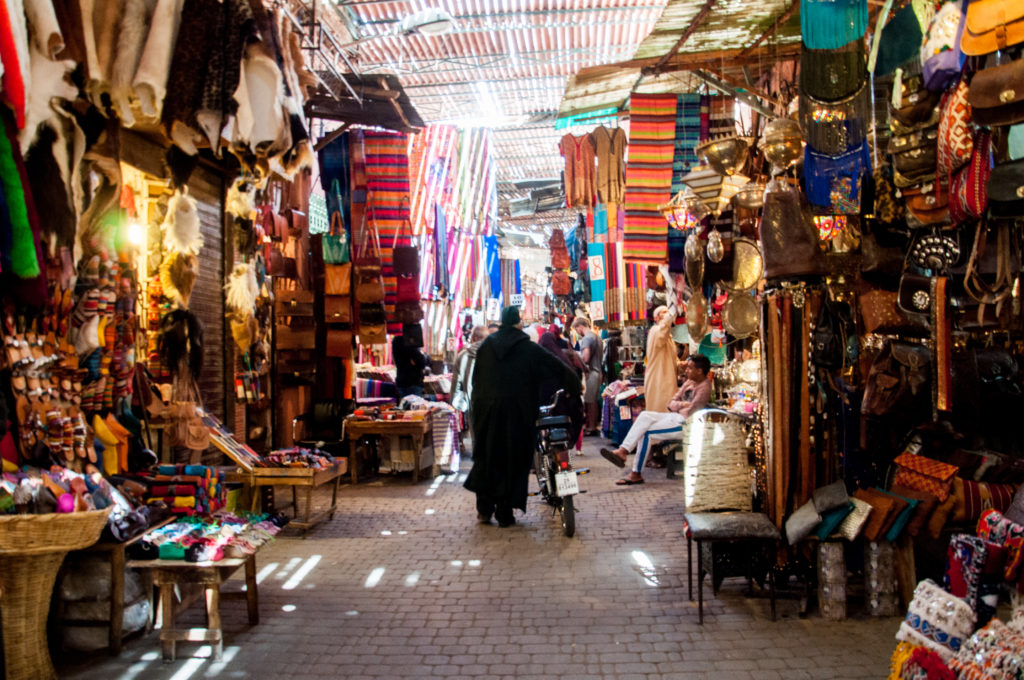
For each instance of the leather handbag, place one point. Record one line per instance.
(366, 258)
(372, 334)
(924, 474)
(275, 226)
(898, 382)
(335, 241)
(298, 222)
(293, 303)
(281, 265)
(408, 290)
(789, 238)
(888, 208)
(831, 75)
(915, 294)
(369, 287)
(337, 309)
(955, 142)
(996, 94)
(928, 203)
(292, 336)
(339, 343)
(338, 279)
(879, 312)
(968, 192)
(992, 25)
(409, 312)
(371, 314)
(405, 259)
(560, 283)
(1006, 189)
(915, 155)
(916, 103)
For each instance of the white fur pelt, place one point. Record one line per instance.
(44, 28)
(135, 24)
(50, 82)
(241, 200)
(242, 290)
(181, 225)
(150, 82)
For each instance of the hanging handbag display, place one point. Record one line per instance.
(915, 294)
(992, 25)
(339, 343)
(337, 309)
(338, 280)
(335, 241)
(914, 155)
(409, 312)
(996, 94)
(789, 238)
(372, 324)
(1006, 189)
(408, 290)
(898, 382)
(913, 103)
(281, 265)
(405, 258)
(927, 203)
(955, 142)
(560, 283)
(366, 261)
(968, 192)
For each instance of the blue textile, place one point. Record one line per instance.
(493, 265)
(830, 24)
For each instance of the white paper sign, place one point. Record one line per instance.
(493, 309)
(597, 309)
(596, 265)
(517, 300)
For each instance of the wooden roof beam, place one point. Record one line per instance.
(698, 20)
(719, 58)
(783, 18)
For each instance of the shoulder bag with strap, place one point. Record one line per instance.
(405, 258)
(367, 262)
(335, 241)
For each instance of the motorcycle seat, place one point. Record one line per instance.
(553, 421)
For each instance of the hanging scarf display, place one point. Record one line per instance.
(598, 282)
(833, 182)
(652, 130)
(828, 25)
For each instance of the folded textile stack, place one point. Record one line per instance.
(299, 457)
(186, 489)
(366, 388)
(444, 433)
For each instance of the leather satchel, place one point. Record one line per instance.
(789, 238)
(408, 290)
(409, 312)
(1006, 189)
(338, 279)
(992, 25)
(917, 103)
(337, 309)
(915, 155)
(916, 294)
(298, 222)
(339, 343)
(928, 203)
(405, 260)
(968, 193)
(560, 283)
(996, 94)
(898, 382)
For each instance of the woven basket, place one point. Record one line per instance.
(32, 548)
(717, 472)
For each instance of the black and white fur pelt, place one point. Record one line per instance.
(181, 342)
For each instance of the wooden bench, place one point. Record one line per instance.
(740, 528)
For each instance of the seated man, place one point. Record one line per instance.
(653, 426)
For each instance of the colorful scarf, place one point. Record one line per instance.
(652, 129)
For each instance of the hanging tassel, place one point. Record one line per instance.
(181, 226)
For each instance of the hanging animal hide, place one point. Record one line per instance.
(244, 330)
(46, 35)
(181, 342)
(178, 273)
(181, 226)
(241, 200)
(53, 204)
(50, 82)
(242, 290)
(150, 82)
(135, 26)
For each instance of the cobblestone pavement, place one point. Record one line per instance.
(405, 583)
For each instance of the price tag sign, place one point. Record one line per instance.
(493, 309)
(597, 309)
(517, 300)
(452, 344)
(625, 413)
(596, 266)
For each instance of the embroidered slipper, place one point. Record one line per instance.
(612, 458)
(626, 481)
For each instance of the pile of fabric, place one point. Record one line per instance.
(299, 457)
(186, 489)
(212, 539)
(445, 425)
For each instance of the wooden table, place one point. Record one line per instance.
(308, 478)
(417, 429)
(115, 553)
(168, 574)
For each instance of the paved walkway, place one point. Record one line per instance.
(405, 583)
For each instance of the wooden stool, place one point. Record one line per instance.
(726, 527)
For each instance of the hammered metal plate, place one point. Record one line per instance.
(747, 266)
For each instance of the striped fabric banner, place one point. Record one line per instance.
(688, 127)
(387, 182)
(613, 287)
(652, 130)
(596, 269)
(635, 310)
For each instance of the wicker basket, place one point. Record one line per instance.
(32, 548)
(717, 474)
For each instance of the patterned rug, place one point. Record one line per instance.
(387, 184)
(652, 129)
(688, 127)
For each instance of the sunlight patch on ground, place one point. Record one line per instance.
(302, 572)
(412, 579)
(646, 568)
(374, 578)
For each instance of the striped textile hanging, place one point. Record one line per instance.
(687, 138)
(613, 289)
(598, 280)
(636, 293)
(387, 181)
(652, 129)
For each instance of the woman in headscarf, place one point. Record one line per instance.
(569, 406)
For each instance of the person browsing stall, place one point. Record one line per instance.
(653, 426)
(591, 351)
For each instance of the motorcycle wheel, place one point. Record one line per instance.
(568, 514)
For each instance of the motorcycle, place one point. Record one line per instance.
(557, 481)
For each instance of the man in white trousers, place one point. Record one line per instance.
(653, 426)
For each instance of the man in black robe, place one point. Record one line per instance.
(505, 404)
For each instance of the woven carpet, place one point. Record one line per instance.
(688, 126)
(652, 130)
(387, 183)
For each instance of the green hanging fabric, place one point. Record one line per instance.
(24, 263)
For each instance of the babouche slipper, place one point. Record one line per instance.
(613, 458)
(626, 481)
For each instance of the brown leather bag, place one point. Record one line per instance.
(337, 309)
(928, 202)
(560, 283)
(996, 94)
(789, 239)
(898, 383)
(338, 279)
(290, 303)
(339, 343)
(992, 25)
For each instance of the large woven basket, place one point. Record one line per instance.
(32, 548)
(717, 472)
